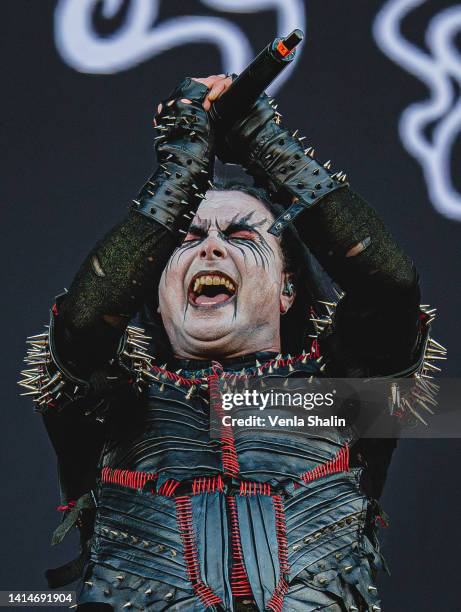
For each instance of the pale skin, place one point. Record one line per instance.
(237, 270)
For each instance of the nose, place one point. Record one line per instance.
(213, 248)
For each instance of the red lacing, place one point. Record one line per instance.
(340, 463)
(168, 487)
(314, 353)
(184, 514)
(126, 478)
(176, 377)
(276, 601)
(207, 484)
(248, 487)
(240, 584)
(66, 507)
(228, 452)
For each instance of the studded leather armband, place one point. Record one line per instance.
(280, 160)
(55, 387)
(183, 144)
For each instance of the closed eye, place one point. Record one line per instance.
(191, 236)
(242, 234)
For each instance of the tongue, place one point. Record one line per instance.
(215, 299)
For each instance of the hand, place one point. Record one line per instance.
(217, 84)
(183, 123)
(236, 145)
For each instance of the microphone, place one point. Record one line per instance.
(255, 79)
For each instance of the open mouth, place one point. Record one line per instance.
(208, 289)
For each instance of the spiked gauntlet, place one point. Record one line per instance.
(184, 145)
(377, 326)
(278, 159)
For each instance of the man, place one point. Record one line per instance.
(225, 285)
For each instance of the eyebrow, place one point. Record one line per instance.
(239, 223)
(200, 226)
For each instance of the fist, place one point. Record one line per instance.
(217, 84)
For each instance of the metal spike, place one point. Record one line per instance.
(327, 164)
(437, 344)
(137, 202)
(413, 411)
(190, 392)
(295, 133)
(89, 583)
(148, 592)
(42, 335)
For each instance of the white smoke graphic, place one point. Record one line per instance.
(141, 37)
(437, 69)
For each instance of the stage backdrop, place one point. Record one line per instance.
(376, 89)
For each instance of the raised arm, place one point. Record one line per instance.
(122, 270)
(376, 330)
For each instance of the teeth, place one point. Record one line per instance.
(212, 280)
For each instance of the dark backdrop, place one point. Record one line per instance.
(76, 147)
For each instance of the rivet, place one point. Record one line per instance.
(287, 217)
(168, 596)
(296, 547)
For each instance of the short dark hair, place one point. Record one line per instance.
(310, 281)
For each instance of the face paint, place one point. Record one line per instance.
(219, 294)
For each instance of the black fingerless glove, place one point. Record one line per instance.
(184, 146)
(277, 159)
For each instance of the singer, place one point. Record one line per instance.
(205, 280)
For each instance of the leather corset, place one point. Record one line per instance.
(186, 521)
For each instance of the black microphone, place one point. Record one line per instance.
(255, 79)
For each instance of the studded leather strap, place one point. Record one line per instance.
(183, 145)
